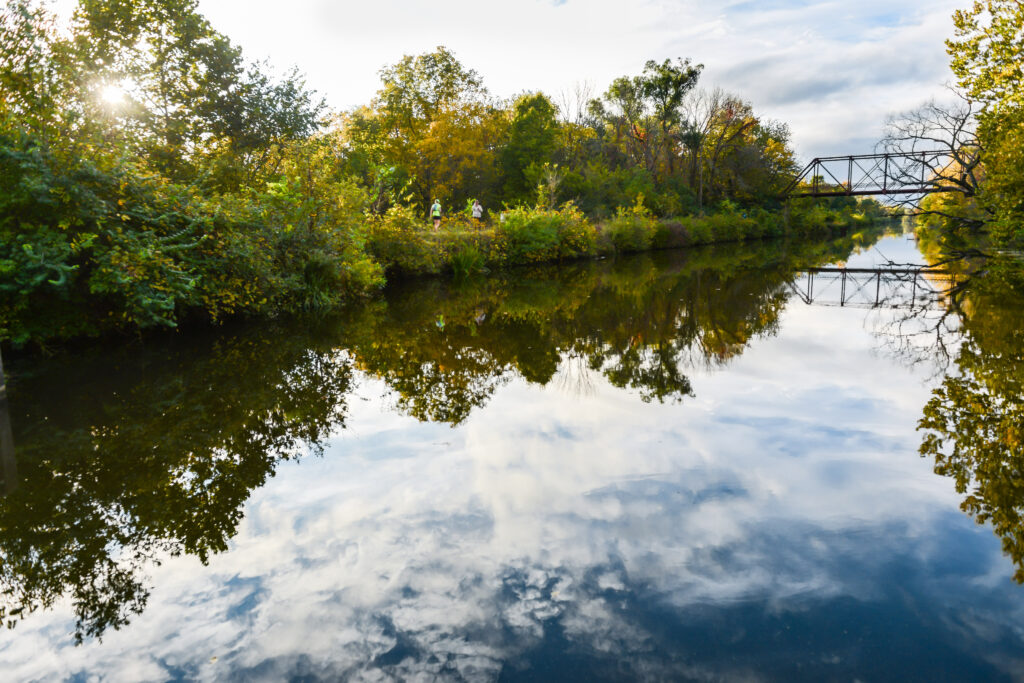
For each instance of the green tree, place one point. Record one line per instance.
(135, 214)
(532, 142)
(730, 127)
(416, 94)
(258, 120)
(626, 111)
(177, 71)
(188, 90)
(666, 85)
(988, 58)
(36, 73)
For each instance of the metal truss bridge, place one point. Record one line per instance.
(912, 288)
(907, 173)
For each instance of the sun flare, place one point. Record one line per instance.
(113, 94)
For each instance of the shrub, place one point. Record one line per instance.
(576, 235)
(528, 235)
(316, 230)
(398, 241)
(534, 235)
(467, 259)
(630, 233)
(632, 229)
(671, 234)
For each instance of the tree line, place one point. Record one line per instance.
(434, 131)
(150, 175)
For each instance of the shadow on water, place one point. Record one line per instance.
(128, 456)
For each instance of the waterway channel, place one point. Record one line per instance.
(672, 466)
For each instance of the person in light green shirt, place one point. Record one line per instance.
(435, 213)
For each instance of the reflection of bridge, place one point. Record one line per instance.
(873, 174)
(908, 287)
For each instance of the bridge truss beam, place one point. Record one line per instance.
(903, 288)
(905, 173)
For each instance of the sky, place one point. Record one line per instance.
(832, 70)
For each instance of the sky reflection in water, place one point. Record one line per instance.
(775, 524)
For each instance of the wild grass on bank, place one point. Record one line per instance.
(402, 243)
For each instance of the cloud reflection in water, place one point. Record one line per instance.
(776, 525)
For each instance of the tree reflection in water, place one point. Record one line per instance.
(974, 422)
(444, 347)
(973, 340)
(129, 457)
(124, 461)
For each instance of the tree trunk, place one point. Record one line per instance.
(669, 157)
(700, 192)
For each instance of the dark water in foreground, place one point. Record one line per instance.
(668, 468)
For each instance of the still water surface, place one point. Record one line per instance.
(669, 467)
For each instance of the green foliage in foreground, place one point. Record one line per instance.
(88, 248)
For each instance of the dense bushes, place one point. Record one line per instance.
(118, 217)
(531, 235)
(631, 229)
(403, 243)
(82, 245)
(87, 250)
(91, 246)
(399, 240)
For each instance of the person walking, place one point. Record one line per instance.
(478, 213)
(435, 213)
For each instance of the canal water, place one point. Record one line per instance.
(675, 466)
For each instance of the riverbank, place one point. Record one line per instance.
(224, 275)
(523, 236)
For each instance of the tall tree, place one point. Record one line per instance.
(988, 58)
(665, 85)
(416, 92)
(626, 110)
(36, 73)
(730, 124)
(532, 141)
(176, 69)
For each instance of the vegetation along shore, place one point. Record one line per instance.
(150, 177)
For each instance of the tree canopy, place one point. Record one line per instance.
(987, 56)
(149, 174)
